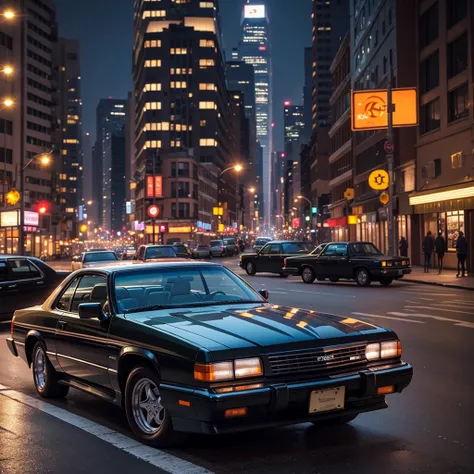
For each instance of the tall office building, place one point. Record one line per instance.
(182, 115)
(68, 157)
(115, 209)
(110, 119)
(255, 49)
(26, 43)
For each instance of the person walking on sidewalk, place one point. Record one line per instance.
(428, 247)
(440, 247)
(403, 247)
(461, 251)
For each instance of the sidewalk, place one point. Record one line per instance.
(447, 278)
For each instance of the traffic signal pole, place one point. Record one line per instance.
(392, 245)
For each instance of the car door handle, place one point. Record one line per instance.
(39, 282)
(62, 324)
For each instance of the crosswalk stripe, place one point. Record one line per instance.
(388, 317)
(439, 309)
(457, 322)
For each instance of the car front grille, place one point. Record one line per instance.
(321, 360)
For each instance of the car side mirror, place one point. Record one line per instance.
(264, 293)
(92, 311)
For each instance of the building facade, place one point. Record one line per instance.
(26, 124)
(255, 49)
(183, 134)
(441, 195)
(68, 151)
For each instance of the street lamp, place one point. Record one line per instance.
(8, 14)
(8, 102)
(8, 70)
(237, 168)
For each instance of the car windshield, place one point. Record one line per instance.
(160, 252)
(161, 288)
(216, 243)
(229, 241)
(297, 247)
(365, 250)
(179, 248)
(318, 249)
(262, 241)
(99, 257)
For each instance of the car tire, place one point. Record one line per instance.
(44, 375)
(250, 268)
(307, 275)
(363, 277)
(283, 275)
(142, 401)
(340, 420)
(386, 281)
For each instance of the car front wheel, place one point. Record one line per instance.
(148, 418)
(250, 268)
(307, 275)
(44, 375)
(363, 277)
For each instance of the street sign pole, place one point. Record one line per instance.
(390, 159)
(154, 192)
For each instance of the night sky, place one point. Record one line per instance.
(105, 27)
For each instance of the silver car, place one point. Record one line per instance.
(218, 248)
(202, 251)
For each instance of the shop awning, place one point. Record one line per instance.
(461, 191)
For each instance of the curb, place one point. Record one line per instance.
(437, 283)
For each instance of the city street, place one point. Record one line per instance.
(426, 429)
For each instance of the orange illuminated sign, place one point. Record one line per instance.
(370, 109)
(154, 188)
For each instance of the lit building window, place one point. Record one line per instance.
(69, 209)
(178, 85)
(71, 141)
(208, 105)
(152, 106)
(152, 87)
(206, 4)
(157, 126)
(203, 63)
(153, 63)
(207, 142)
(205, 43)
(201, 24)
(207, 87)
(152, 44)
(178, 51)
(203, 123)
(154, 14)
(153, 144)
(181, 70)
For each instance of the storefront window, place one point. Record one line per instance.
(454, 225)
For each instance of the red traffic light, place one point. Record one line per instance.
(43, 207)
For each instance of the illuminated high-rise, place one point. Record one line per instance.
(254, 49)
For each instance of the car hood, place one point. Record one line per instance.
(256, 326)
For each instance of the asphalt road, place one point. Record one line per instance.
(427, 429)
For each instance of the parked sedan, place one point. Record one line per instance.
(190, 347)
(231, 246)
(153, 252)
(202, 251)
(359, 261)
(93, 258)
(181, 251)
(218, 248)
(270, 258)
(25, 281)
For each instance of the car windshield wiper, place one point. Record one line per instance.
(141, 309)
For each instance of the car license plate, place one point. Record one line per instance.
(327, 400)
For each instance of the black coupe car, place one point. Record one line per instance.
(190, 347)
(270, 258)
(25, 281)
(359, 261)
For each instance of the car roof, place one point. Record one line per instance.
(157, 245)
(289, 242)
(147, 266)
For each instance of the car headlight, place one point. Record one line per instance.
(383, 350)
(219, 371)
(248, 368)
(384, 264)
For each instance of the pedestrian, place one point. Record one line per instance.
(461, 251)
(403, 247)
(428, 247)
(440, 247)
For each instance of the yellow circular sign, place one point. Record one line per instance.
(384, 198)
(379, 180)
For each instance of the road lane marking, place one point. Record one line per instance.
(462, 303)
(165, 461)
(390, 317)
(4, 387)
(275, 292)
(457, 322)
(440, 309)
(427, 299)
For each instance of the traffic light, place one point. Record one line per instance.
(43, 207)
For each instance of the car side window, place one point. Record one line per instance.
(265, 250)
(336, 250)
(91, 289)
(22, 269)
(275, 249)
(64, 301)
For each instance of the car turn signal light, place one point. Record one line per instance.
(386, 390)
(234, 412)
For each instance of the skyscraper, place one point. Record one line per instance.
(182, 113)
(110, 119)
(68, 159)
(255, 49)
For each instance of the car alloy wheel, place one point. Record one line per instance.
(363, 277)
(39, 368)
(148, 411)
(307, 275)
(250, 268)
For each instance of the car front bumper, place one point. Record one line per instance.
(391, 273)
(202, 411)
(290, 271)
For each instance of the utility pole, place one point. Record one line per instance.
(21, 230)
(154, 193)
(392, 245)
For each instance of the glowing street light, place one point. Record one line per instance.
(8, 70)
(8, 102)
(8, 14)
(238, 168)
(252, 190)
(45, 159)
